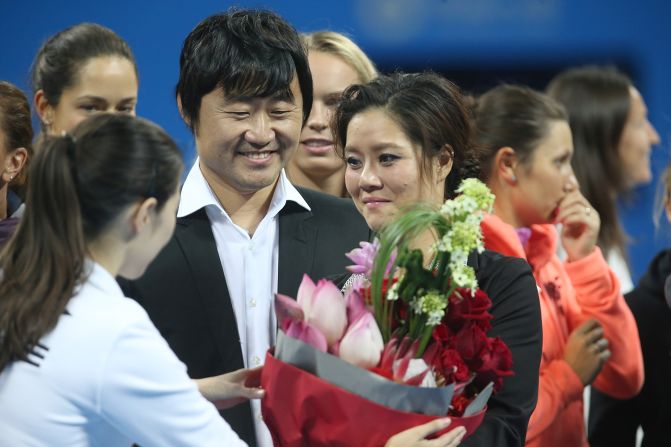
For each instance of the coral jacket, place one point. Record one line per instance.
(571, 293)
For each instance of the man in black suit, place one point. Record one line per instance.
(243, 231)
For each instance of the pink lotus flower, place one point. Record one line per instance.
(362, 344)
(307, 333)
(318, 308)
(355, 305)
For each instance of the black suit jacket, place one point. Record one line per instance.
(614, 422)
(184, 290)
(510, 284)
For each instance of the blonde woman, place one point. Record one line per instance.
(336, 63)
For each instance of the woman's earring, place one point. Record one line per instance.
(514, 178)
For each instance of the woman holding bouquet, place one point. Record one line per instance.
(406, 139)
(589, 334)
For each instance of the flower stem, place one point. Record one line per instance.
(426, 337)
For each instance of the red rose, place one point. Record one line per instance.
(442, 335)
(497, 362)
(463, 307)
(469, 342)
(450, 364)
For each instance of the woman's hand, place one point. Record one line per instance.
(587, 350)
(230, 389)
(581, 225)
(415, 437)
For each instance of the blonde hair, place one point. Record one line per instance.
(663, 195)
(342, 46)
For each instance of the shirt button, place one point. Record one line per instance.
(252, 303)
(259, 416)
(256, 360)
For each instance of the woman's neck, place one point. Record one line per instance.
(107, 251)
(424, 242)
(506, 212)
(503, 206)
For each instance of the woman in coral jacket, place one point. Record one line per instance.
(589, 333)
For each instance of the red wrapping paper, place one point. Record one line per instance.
(303, 410)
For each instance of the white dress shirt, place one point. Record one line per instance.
(107, 379)
(618, 264)
(250, 265)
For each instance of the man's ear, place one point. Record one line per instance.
(444, 162)
(14, 163)
(506, 165)
(143, 214)
(181, 111)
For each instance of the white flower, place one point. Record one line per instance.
(479, 192)
(464, 276)
(432, 304)
(392, 293)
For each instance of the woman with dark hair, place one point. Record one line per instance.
(612, 138)
(407, 139)
(81, 70)
(589, 334)
(16, 147)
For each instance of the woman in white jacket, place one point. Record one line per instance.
(80, 363)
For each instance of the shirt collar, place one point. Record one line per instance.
(197, 194)
(286, 192)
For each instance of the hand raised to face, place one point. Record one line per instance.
(581, 225)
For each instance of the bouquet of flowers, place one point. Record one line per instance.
(405, 344)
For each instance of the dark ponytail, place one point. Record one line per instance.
(514, 116)
(78, 186)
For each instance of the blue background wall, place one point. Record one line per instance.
(477, 43)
